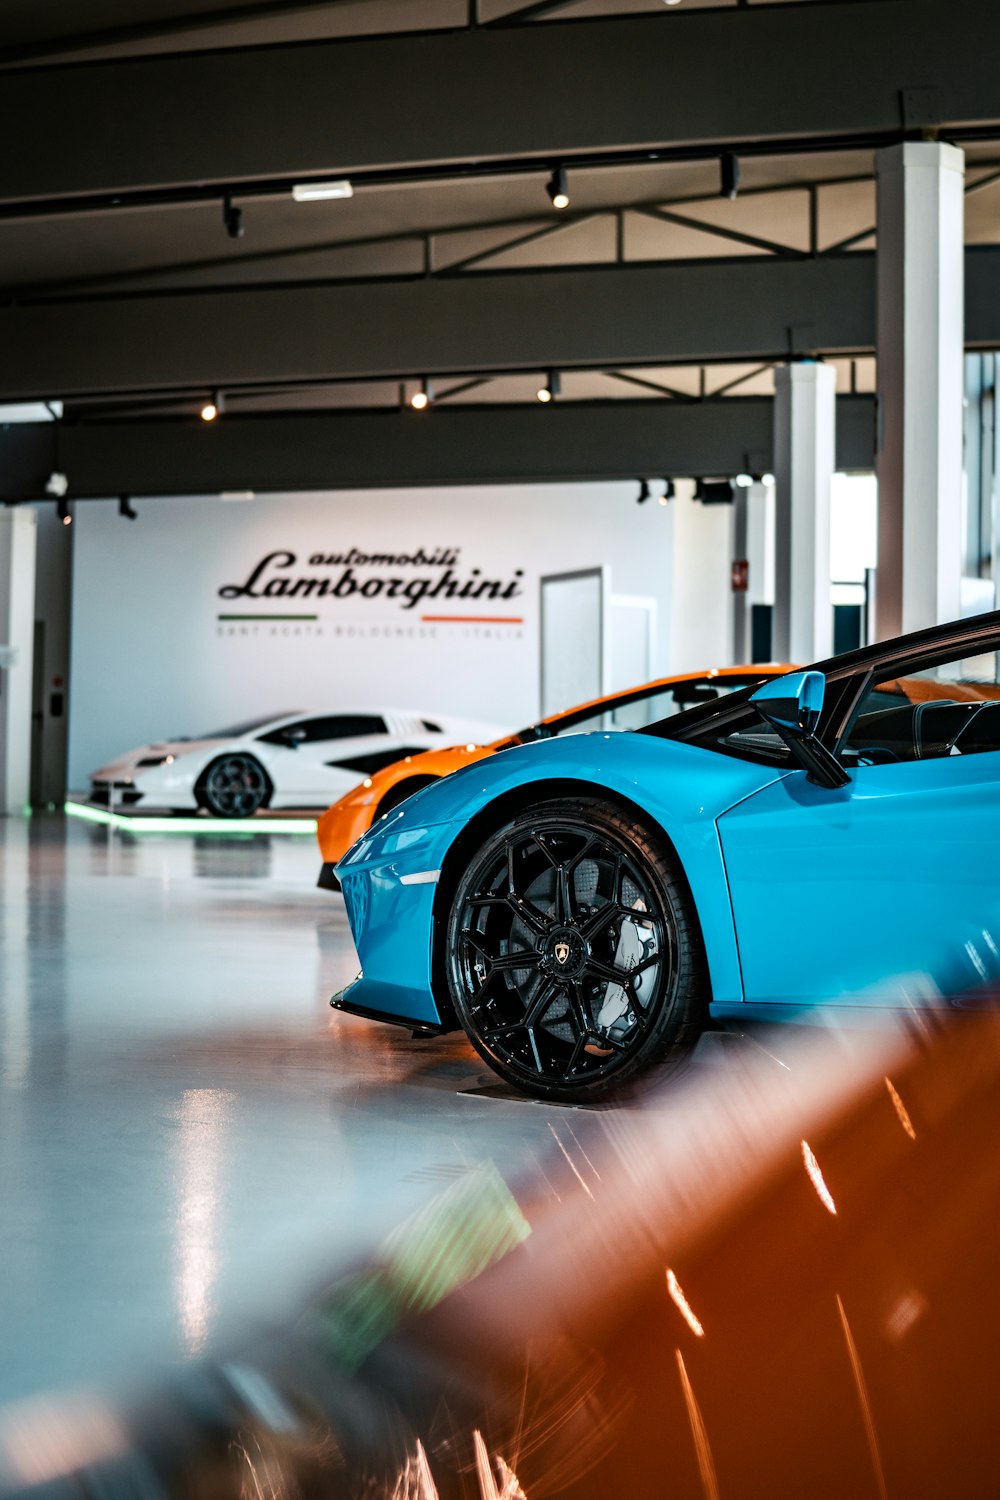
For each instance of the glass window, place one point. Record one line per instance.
(924, 712)
(746, 735)
(636, 710)
(330, 727)
(236, 731)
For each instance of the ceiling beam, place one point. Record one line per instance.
(752, 309)
(459, 445)
(65, 48)
(755, 309)
(443, 101)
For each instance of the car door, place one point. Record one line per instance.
(888, 888)
(304, 757)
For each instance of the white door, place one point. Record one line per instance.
(572, 639)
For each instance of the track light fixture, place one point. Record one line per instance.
(729, 174)
(668, 492)
(421, 399)
(643, 494)
(317, 192)
(63, 510)
(213, 407)
(558, 188)
(125, 508)
(551, 389)
(714, 491)
(232, 218)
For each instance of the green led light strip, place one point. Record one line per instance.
(206, 827)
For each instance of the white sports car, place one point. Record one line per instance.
(300, 760)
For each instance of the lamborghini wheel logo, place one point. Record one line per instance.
(562, 952)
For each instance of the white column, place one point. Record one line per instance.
(921, 214)
(17, 634)
(805, 414)
(753, 543)
(741, 561)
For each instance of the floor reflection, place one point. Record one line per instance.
(185, 1126)
(233, 858)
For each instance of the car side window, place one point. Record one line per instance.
(329, 727)
(924, 712)
(634, 713)
(638, 710)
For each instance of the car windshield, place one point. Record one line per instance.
(638, 708)
(723, 726)
(236, 731)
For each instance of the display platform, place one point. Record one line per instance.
(142, 821)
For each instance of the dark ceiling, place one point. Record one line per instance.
(636, 198)
(56, 31)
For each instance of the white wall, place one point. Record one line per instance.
(151, 658)
(702, 604)
(853, 526)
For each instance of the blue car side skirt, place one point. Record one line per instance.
(342, 1001)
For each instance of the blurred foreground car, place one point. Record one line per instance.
(780, 1282)
(583, 906)
(350, 818)
(284, 760)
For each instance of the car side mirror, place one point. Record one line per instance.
(793, 705)
(293, 737)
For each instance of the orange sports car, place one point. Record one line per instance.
(347, 820)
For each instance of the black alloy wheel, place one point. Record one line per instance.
(234, 786)
(573, 956)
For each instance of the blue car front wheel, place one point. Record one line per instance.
(573, 957)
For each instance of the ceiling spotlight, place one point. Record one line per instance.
(317, 192)
(714, 491)
(421, 399)
(57, 484)
(63, 510)
(558, 188)
(125, 508)
(551, 389)
(729, 174)
(213, 407)
(671, 2)
(643, 494)
(668, 492)
(232, 218)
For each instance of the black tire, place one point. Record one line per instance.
(233, 786)
(400, 792)
(558, 901)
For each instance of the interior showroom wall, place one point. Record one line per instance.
(205, 611)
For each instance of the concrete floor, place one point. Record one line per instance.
(189, 1136)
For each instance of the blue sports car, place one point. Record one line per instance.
(582, 906)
